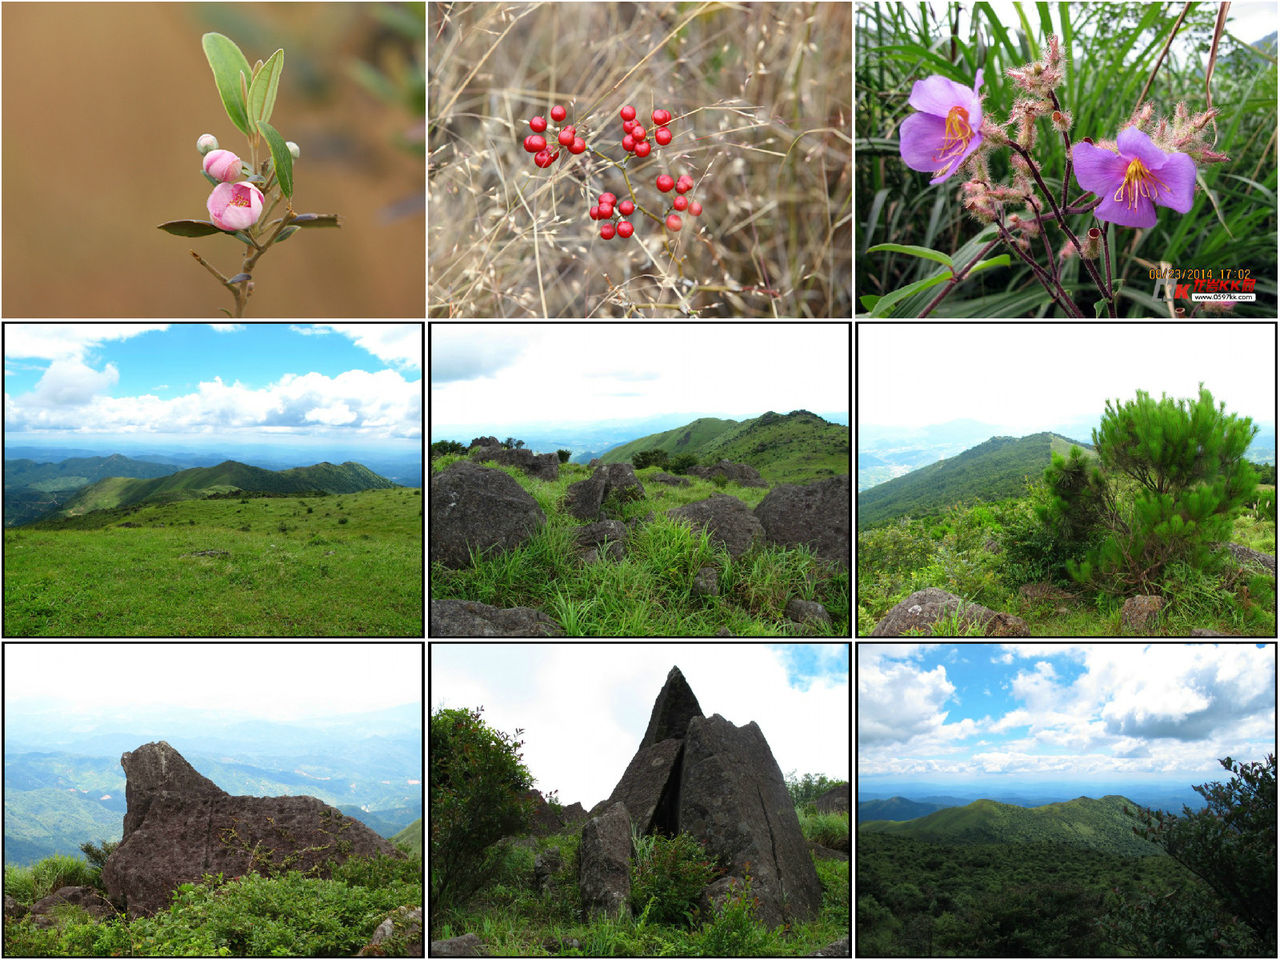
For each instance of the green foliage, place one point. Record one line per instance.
(511, 443)
(830, 830)
(442, 447)
(649, 458)
(808, 788)
(1231, 843)
(1264, 504)
(735, 931)
(1077, 497)
(1186, 460)
(667, 878)
(564, 455)
(475, 783)
(681, 462)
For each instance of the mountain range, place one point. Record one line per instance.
(993, 470)
(785, 448)
(198, 482)
(1085, 822)
(33, 490)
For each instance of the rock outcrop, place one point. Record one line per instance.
(721, 784)
(478, 509)
(544, 466)
(585, 498)
(179, 826)
(1138, 613)
(87, 897)
(816, 515)
(469, 618)
(742, 474)
(604, 858)
(728, 520)
(924, 607)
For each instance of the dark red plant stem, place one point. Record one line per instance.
(956, 278)
(1060, 296)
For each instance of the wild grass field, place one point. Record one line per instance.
(338, 565)
(648, 593)
(761, 101)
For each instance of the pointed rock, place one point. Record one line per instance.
(675, 707)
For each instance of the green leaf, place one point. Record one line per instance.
(227, 63)
(189, 228)
(869, 301)
(281, 156)
(317, 220)
(883, 308)
(262, 94)
(925, 252)
(1000, 261)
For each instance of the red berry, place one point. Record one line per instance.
(606, 231)
(538, 124)
(695, 209)
(629, 126)
(595, 213)
(680, 203)
(674, 223)
(579, 145)
(663, 136)
(642, 149)
(638, 132)
(665, 182)
(628, 112)
(557, 113)
(606, 210)
(625, 229)
(626, 208)
(684, 184)
(566, 137)
(628, 143)
(533, 143)
(661, 116)
(608, 197)
(545, 158)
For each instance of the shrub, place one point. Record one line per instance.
(442, 447)
(342, 519)
(668, 876)
(476, 778)
(735, 931)
(681, 462)
(564, 455)
(649, 458)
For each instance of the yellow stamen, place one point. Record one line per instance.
(1138, 182)
(955, 137)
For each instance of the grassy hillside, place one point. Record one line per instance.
(648, 593)
(33, 489)
(1096, 824)
(895, 808)
(227, 476)
(410, 838)
(797, 447)
(345, 565)
(990, 471)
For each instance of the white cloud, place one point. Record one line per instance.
(399, 344)
(584, 707)
(898, 701)
(66, 341)
(70, 383)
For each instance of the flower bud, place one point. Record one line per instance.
(222, 165)
(235, 207)
(294, 150)
(1091, 246)
(206, 143)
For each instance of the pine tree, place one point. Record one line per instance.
(1180, 467)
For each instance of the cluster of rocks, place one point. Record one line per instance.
(740, 473)
(717, 782)
(544, 466)
(477, 510)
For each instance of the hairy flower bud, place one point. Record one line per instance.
(206, 142)
(1061, 121)
(294, 150)
(1091, 246)
(222, 165)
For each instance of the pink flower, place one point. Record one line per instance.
(235, 207)
(222, 165)
(1132, 183)
(942, 135)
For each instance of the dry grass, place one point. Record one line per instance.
(761, 99)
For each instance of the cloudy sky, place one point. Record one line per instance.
(1030, 377)
(357, 382)
(486, 375)
(1065, 711)
(584, 707)
(303, 680)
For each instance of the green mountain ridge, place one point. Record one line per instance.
(36, 489)
(1085, 822)
(797, 447)
(228, 476)
(990, 471)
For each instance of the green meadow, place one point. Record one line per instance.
(336, 565)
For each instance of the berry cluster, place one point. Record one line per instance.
(682, 203)
(604, 210)
(635, 137)
(536, 143)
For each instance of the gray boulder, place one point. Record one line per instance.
(604, 863)
(585, 498)
(484, 442)
(468, 618)
(732, 797)
(924, 607)
(742, 474)
(467, 945)
(602, 539)
(544, 466)
(87, 897)
(730, 522)
(818, 515)
(1138, 613)
(670, 480)
(807, 611)
(835, 800)
(400, 931)
(478, 508)
(675, 707)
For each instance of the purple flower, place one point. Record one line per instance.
(942, 135)
(1132, 183)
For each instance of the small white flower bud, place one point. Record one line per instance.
(294, 150)
(206, 143)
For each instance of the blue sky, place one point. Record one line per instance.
(584, 707)
(348, 382)
(1062, 711)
